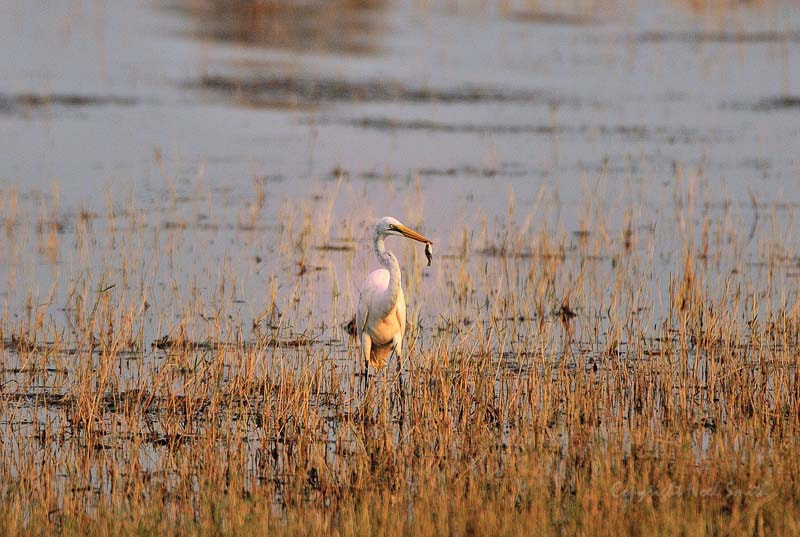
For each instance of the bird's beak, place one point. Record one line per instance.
(411, 234)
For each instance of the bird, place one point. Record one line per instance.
(381, 314)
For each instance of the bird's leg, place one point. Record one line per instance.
(386, 391)
(366, 349)
(401, 394)
(401, 401)
(398, 353)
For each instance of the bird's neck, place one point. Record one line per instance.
(389, 261)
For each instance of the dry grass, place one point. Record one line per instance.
(169, 372)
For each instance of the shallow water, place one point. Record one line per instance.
(475, 98)
(216, 120)
(211, 116)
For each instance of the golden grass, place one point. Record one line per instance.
(170, 372)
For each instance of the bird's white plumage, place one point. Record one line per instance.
(382, 320)
(381, 312)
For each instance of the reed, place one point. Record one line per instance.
(173, 372)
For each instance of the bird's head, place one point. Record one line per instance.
(392, 226)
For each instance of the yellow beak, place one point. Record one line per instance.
(411, 234)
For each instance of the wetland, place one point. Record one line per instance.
(606, 341)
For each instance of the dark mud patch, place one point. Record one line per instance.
(299, 91)
(24, 344)
(336, 248)
(20, 103)
(550, 18)
(433, 126)
(504, 169)
(34, 370)
(337, 26)
(785, 102)
(168, 343)
(718, 37)
(779, 103)
(45, 399)
(502, 251)
(630, 133)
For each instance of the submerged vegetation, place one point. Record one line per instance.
(629, 371)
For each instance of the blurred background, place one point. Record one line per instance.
(470, 100)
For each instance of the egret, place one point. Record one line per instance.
(381, 314)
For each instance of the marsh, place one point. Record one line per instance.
(612, 314)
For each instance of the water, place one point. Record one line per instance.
(476, 98)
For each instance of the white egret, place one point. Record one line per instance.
(381, 314)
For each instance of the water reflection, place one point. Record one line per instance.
(337, 26)
(707, 7)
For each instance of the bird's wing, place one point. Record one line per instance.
(362, 313)
(362, 310)
(376, 282)
(401, 311)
